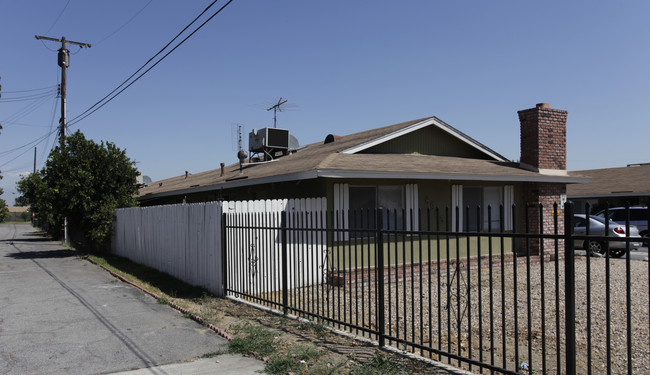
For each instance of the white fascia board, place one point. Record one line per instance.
(388, 137)
(418, 126)
(447, 176)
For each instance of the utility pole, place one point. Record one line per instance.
(32, 215)
(63, 59)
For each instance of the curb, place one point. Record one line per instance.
(195, 318)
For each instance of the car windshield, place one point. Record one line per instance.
(602, 220)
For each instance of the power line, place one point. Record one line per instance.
(102, 102)
(124, 24)
(13, 119)
(31, 90)
(143, 65)
(57, 18)
(29, 144)
(24, 124)
(74, 120)
(25, 110)
(45, 154)
(27, 97)
(46, 47)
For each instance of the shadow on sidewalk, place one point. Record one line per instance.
(44, 254)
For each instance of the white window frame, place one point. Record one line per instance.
(508, 199)
(342, 206)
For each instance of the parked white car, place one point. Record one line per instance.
(597, 228)
(638, 217)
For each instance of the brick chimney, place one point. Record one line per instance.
(543, 150)
(543, 139)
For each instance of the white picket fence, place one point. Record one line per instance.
(184, 240)
(255, 255)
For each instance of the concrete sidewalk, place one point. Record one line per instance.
(60, 314)
(226, 364)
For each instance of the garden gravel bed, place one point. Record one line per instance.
(450, 312)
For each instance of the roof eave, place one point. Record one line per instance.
(337, 173)
(448, 176)
(235, 183)
(608, 195)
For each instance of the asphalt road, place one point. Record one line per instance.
(636, 254)
(62, 315)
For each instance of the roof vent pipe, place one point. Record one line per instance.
(223, 169)
(187, 174)
(331, 138)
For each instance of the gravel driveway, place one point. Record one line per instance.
(435, 311)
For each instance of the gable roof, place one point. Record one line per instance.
(420, 124)
(346, 157)
(609, 182)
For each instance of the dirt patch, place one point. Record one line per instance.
(292, 338)
(341, 353)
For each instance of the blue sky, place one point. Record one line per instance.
(345, 66)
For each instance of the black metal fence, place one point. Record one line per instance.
(489, 301)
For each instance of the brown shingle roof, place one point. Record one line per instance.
(326, 160)
(631, 180)
(18, 209)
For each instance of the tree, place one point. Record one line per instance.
(4, 210)
(20, 201)
(84, 182)
(37, 195)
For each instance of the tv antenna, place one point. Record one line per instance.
(239, 137)
(277, 107)
(241, 154)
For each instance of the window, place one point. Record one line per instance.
(579, 222)
(361, 202)
(387, 198)
(483, 196)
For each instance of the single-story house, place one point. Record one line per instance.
(19, 213)
(419, 164)
(615, 186)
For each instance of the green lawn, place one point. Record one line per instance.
(399, 250)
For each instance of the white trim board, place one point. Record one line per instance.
(420, 125)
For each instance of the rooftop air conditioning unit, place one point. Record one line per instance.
(267, 139)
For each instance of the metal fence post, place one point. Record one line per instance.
(381, 318)
(569, 288)
(285, 261)
(224, 256)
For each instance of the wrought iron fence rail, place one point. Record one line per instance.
(507, 306)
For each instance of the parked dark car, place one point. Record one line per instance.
(638, 217)
(597, 228)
